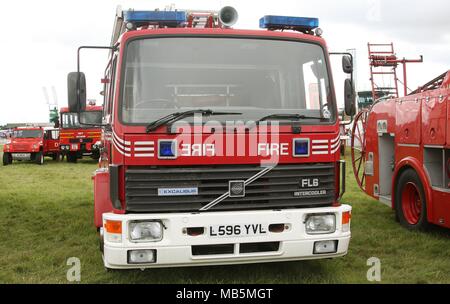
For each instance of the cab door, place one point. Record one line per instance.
(52, 140)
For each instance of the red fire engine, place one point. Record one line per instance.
(401, 149)
(220, 146)
(31, 143)
(78, 140)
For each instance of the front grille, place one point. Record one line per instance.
(275, 190)
(22, 147)
(198, 250)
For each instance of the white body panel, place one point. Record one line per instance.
(175, 248)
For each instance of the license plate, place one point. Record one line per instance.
(21, 155)
(238, 230)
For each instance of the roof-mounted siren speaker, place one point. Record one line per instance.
(228, 16)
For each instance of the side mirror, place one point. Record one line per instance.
(349, 98)
(347, 64)
(76, 91)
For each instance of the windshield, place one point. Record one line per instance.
(70, 120)
(255, 77)
(27, 134)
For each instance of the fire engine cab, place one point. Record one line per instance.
(31, 143)
(401, 153)
(78, 140)
(219, 145)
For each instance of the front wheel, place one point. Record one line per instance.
(410, 201)
(7, 159)
(39, 158)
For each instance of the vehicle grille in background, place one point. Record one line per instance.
(275, 190)
(22, 147)
(80, 140)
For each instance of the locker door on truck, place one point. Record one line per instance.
(407, 118)
(434, 118)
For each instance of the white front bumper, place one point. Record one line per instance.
(175, 249)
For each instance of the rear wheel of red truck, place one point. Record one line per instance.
(410, 201)
(7, 159)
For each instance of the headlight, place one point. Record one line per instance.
(320, 223)
(151, 231)
(8, 141)
(35, 146)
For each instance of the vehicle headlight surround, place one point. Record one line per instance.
(145, 231)
(324, 223)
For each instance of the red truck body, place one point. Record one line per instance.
(78, 140)
(31, 143)
(208, 193)
(406, 154)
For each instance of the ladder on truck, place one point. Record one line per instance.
(383, 71)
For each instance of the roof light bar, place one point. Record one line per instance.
(161, 18)
(302, 24)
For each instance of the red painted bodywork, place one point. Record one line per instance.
(119, 144)
(46, 145)
(418, 122)
(71, 134)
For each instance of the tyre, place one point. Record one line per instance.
(72, 157)
(95, 155)
(7, 159)
(411, 202)
(39, 158)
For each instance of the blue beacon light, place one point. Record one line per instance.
(285, 22)
(301, 147)
(161, 18)
(167, 149)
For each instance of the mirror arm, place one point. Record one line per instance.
(345, 54)
(112, 49)
(345, 123)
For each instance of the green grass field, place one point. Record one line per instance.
(46, 217)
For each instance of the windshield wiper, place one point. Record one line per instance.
(180, 115)
(288, 117)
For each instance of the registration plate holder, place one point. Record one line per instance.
(238, 230)
(21, 155)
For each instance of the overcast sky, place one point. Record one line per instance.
(40, 38)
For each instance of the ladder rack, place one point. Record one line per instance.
(383, 69)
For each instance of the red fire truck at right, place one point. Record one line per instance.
(401, 145)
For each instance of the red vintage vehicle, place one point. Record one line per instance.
(255, 178)
(31, 143)
(401, 154)
(78, 140)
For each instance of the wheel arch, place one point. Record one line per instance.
(416, 165)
